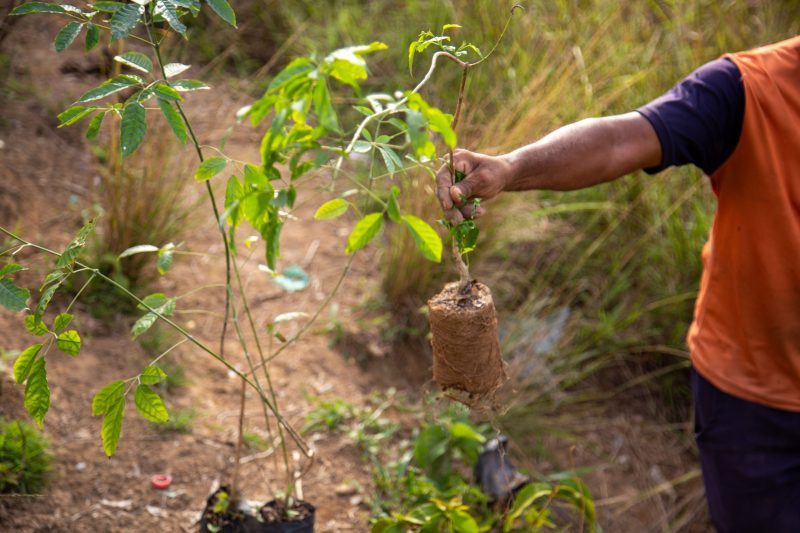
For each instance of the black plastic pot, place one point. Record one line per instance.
(244, 521)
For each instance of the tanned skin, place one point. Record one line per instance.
(579, 155)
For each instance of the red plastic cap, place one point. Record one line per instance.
(161, 481)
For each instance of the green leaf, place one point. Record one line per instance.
(323, 107)
(224, 10)
(133, 128)
(69, 342)
(92, 36)
(138, 249)
(152, 375)
(271, 235)
(150, 405)
(37, 7)
(107, 7)
(523, 500)
(189, 85)
(111, 86)
(460, 430)
(12, 297)
(233, 196)
(112, 425)
(44, 300)
(296, 68)
(169, 10)
(73, 114)
(11, 268)
(463, 522)
(166, 92)
(124, 20)
(70, 254)
(466, 236)
(173, 69)
(391, 159)
(332, 209)
(35, 327)
(67, 34)
(166, 308)
(24, 362)
(94, 125)
(174, 119)
(107, 396)
(153, 301)
(37, 392)
(392, 207)
(165, 255)
(61, 322)
(364, 231)
(135, 60)
(428, 241)
(210, 168)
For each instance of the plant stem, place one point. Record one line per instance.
(228, 291)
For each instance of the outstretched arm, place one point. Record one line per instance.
(579, 155)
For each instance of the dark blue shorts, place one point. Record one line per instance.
(750, 456)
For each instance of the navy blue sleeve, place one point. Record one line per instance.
(699, 120)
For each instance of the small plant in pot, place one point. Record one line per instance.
(305, 136)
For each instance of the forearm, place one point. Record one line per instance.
(585, 153)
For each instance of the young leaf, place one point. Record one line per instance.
(37, 7)
(173, 69)
(165, 255)
(24, 363)
(169, 10)
(124, 20)
(135, 60)
(210, 168)
(37, 392)
(12, 297)
(364, 231)
(141, 248)
(94, 125)
(224, 10)
(166, 92)
(70, 254)
(152, 375)
(111, 86)
(69, 342)
(67, 34)
(174, 119)
(189, 85)
(427, 240)
(107, 396)
(112, 424)
(144, 323)
(150, 405)
(35, 328)
(61, 322)
(73, 114)
(133, 128)
(92, 36)
(332, 209)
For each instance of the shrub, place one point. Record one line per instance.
(24, 459)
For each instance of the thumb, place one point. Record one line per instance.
(463, 190)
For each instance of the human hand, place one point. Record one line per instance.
(485, 177)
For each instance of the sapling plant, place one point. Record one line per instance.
(305, 135)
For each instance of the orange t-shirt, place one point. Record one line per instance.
(745, 337)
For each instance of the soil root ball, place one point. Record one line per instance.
(466, 350)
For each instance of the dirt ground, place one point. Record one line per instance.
(47, 177)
